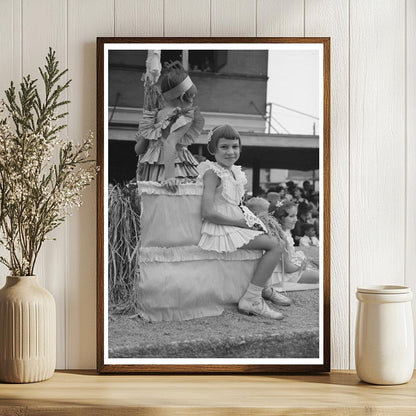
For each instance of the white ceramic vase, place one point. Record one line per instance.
(27, 331)
(384, 338)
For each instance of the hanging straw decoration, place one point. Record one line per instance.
(124, 214)
(123, 247)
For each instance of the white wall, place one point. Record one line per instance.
(373, 132)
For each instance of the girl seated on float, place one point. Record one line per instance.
(228, 225)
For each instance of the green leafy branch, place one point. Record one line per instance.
(35, 193)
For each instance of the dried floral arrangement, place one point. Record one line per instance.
(42, 176)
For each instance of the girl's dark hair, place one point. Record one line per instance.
(304, 208)
(297, 188)
(173, 77)
(282, 211)
(222, 132)
(307, 227)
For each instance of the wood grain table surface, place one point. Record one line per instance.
(87, 393)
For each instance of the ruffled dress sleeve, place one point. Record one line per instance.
(194, 131)
(240, 175)
(190, 117)
(207, 165)
(149, 127)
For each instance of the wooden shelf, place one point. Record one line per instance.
(86, 393)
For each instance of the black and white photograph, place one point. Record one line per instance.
(214, 197)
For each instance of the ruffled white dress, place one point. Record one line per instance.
(227, 201)
(296, 256)
(151, 166)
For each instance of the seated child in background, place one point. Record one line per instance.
(309, 239)
(304, 216)
(298, 268)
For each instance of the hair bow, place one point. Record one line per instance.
(210, 133)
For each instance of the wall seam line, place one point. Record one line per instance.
(304, 18)
(405, 142)
(21, 40)
(349, 187)
(163, 19)
(210, 18)
(66, 222)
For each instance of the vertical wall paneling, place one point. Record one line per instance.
(377, 136)
(280, 18)
(44, 25)
(233, 18)
(10, 44)
(373, 170)
(330, 18)
(138, 18)
(411, 149)
(6, 45)
(186, 18)
(87, 20)
(10, 67)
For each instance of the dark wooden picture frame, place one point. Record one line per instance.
(104, 365)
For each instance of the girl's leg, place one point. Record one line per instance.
(252, 301)
(262, 271)
(309, 276)
(269, 260)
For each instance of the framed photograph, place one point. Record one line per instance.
(213, 205)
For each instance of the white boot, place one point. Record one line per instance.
(259, 307)
(275, 297)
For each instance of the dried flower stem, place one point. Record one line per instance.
(37, 194)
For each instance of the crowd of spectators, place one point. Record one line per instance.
(306, 231)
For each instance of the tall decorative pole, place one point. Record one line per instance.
(152, 99)
(152, 96)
